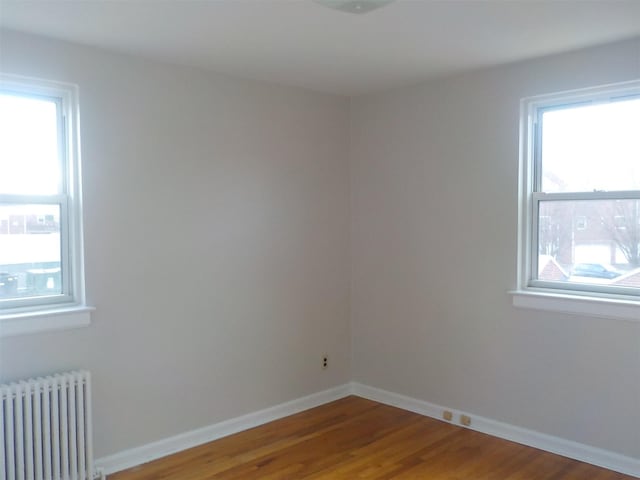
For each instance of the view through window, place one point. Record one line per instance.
(586, 198)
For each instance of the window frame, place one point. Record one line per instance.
(562, 296)
(69, 198)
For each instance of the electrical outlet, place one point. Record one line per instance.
(447, 415)
(325, 362)
(465, 420)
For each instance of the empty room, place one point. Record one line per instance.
(319, 239)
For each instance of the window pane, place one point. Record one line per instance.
(595, 147)
(590, 241)
(30, 260)
(29, 155)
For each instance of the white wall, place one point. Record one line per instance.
(434, 209)
(217, 243)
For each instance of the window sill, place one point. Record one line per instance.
(25, 323)
(623, 309)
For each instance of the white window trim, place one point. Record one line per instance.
(72, 311)
(536, 294)
(45, 320)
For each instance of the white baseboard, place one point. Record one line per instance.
(531, 438)
(152, 451)
(567, 448)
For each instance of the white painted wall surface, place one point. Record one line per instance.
(217, 243)
(434, 209)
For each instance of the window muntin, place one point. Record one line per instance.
(40, 220)
(581, 174)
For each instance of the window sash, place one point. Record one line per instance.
(537, 112)
(66, 295)
(604, 291)
(598, 290)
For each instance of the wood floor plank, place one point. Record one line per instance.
(354, 438)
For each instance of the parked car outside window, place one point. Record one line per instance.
(595, 270)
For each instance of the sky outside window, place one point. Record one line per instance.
(595, 147)
(29, 162)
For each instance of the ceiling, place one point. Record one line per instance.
(302, 43)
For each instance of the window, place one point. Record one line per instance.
(580, 167)
(41, 264)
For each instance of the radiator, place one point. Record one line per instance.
(46, 428)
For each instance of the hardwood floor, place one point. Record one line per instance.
(354, 438)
